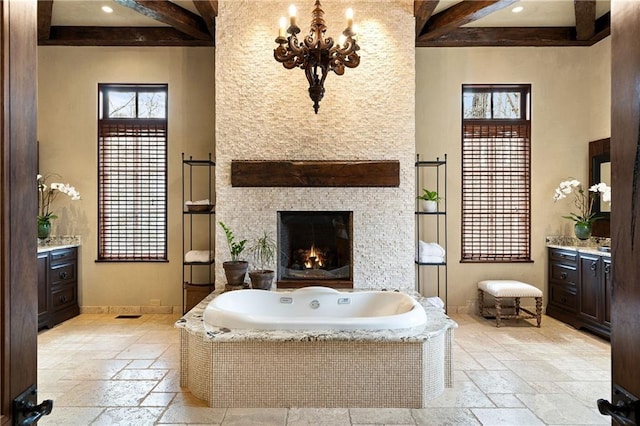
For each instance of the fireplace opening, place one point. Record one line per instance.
(315, 248)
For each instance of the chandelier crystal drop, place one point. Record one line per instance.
(316, 54)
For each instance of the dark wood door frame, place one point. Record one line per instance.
(625, 214)
(18, 202)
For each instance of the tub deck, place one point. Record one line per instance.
(316, 368)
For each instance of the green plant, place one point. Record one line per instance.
(429, 195)
(583, 200)
(48, 193)
(263, 250)
(235, 248)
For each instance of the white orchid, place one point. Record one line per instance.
(603, 189)
(583, 200)
(47, 194)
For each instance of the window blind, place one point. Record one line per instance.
(132, 199)
(496, 191)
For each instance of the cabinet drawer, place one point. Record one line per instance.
(63, 255)
(564, 273)
(63, 297)
(60, 274)
(563, 255)
(561, 296)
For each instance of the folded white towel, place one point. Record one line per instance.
(431, 259)
(435, 302)
(203, 256)
(431, 249)
(197, 203)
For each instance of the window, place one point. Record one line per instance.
(496, 173)
(132, 172)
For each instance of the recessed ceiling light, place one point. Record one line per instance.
(107, 9)
(517, 9)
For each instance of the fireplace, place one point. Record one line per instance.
(315, 248)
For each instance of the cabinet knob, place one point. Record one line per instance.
(63, 275)
(63, 299)
(563, 275)
(563, 299)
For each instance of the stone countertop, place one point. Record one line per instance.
(437, 323)
(588, 250)
(589, 246)
(56, 243)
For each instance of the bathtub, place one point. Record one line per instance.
(314, 308)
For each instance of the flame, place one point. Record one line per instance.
(314, 259)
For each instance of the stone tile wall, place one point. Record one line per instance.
(263, 112)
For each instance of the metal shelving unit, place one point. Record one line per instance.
(198, 278)
(432, 174)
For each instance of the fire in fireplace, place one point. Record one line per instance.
(315, 248)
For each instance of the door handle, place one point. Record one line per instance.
(25, 410)
(620, 412)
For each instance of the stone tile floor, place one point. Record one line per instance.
(105, 371)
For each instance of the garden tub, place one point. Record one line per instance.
(314, 308)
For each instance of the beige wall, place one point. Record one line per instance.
(570, 107)
(67, 122)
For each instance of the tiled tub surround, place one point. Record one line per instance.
(316, 368)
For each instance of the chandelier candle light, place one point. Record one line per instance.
(316, 54)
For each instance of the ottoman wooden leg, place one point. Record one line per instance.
(538, 310)
(498, 311)
(481, 302)
(517, 303)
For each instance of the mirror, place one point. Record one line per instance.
(605, 176)
(601, 166)
(600, 171)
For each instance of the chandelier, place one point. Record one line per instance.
(316, 55)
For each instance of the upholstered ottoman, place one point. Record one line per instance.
(500, 289)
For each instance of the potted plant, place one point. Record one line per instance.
(583, 200)
(235, 269)
(263, 251)
(429, 200)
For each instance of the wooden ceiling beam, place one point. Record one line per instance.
(603, 27)
(422, 10)
(45, 11)
(507, 36)
(120, 36)
(585, 11)
(460, 14)
(208, 9)
(171, 14)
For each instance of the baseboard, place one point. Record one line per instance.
(119, 310)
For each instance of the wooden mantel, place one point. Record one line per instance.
(287, 173)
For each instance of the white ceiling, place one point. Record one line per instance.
(536, 13)
(89, 13)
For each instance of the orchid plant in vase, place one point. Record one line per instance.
(583, 201)
(47, 193)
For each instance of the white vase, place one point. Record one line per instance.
(429, 206)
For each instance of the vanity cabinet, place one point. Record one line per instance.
(57, 286)
(44, 294)
(595, 290)
(580, 290)
(563, 285)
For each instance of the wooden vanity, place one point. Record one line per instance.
(57, 285)
(580, 288)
